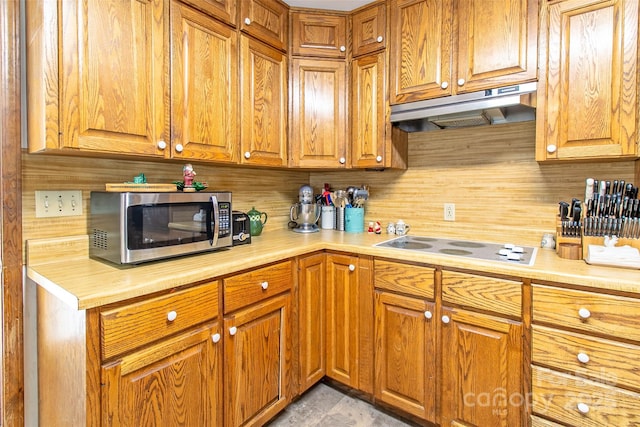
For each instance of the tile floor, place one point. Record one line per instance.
(325, 406)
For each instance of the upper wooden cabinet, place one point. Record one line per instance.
(263, 104)
(266, 20)
(318, 34)
(97, 84)
(319, 113)
(103, 86)
(369, 30)
(204, 87)
(374, 143)
(442, 47)
(225, 10)
(588, 87)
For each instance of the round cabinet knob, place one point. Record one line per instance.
(179, 148)
(247, 155)
(584, 313)
(551, 148)
(461, 82)
(215, 337)
(428, 314)
(342, 48)
(583, 357)
(445, 319)
(352, 267)
(342, 160)
(444, 85)
(378, 159)
(233, 330)
(583, 408)
(379, 39)
(162, 145)
(264, 285)
(247, 21)
(171, 316)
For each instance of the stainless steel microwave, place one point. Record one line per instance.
(130, 228)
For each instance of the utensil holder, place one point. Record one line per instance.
(340, 219)
(568, 247)
(354, 220)
(328, 218)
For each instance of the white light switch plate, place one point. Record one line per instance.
(54, 203)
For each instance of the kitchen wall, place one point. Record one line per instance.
(500, 192)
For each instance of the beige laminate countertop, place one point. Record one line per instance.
(63, 267)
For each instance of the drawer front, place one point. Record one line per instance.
(581, 402)
(405, 278)
(481, 292)
(605, 361)
(587, 311)
(125, 328)
(248, 288)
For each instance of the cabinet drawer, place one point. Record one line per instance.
(406, 278)
(587, 311)
(256, 285)
(125, 328)
(481, 292)
(605, 361)
(562, 397)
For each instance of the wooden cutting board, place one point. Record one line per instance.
(141, 188)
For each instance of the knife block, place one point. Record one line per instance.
(568, 247)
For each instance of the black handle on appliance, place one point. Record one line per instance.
(213, 234)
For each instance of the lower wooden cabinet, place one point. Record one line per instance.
(312, 272)
(257, 362)
(349, 320)
(482, 351)
(405, 354)
(176, 382)
(151, 361)
(482, 370)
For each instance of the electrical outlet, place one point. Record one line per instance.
(449, 212)
(58, 203)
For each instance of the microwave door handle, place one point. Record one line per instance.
(213, 237)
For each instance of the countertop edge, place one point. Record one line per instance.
(72, 276)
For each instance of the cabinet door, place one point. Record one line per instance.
(482, 365)
(203, 87)
(369, 29)
(405, 375)
(350, 320)
(319, 34)
(176, 382)
(257, 354)
(266, 20)
(368, 125)
(496, 43)
(311, 319)
(588, 87)
(420, 49)
(113, 76)
(319, 113)
(263, 104)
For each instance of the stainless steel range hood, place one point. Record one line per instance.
(502, 105)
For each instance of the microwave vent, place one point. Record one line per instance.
(100, 239)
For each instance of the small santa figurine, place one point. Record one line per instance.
(189, 174)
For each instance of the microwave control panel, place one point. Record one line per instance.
(224, 223)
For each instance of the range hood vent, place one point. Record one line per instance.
(492, 106)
